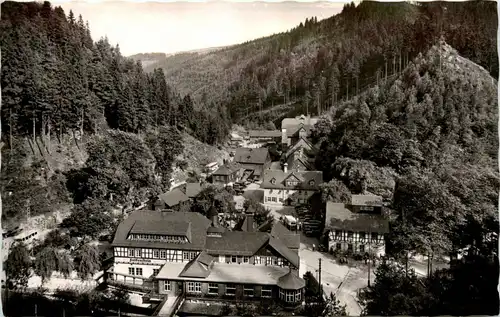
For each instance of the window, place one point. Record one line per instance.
(362, 248)
(194, 287)
(266, 291)
(138, 253)
(362, 235)
(274, 199)
(186, 256)
(273, 181)
(281, 200)
(298, 296)
(374, 236)
(349, 247)
(167, 286)
(248, 290)
(258, 260)
(192, 255)
(222, 258)
(311, 182)
(163, 254)
(130, 252)
(280, 262)
(240, 259)
(246, 259)
(231, 289)
(156, 271)
(131, 271)
(213, 288)
(233, 259)
(156, 254)
(138, 271)
(268, 260)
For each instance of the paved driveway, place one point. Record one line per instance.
(341, 280)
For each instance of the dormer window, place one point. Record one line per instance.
(311, 182)
(273, 181)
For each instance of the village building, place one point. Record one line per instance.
(294, 129)
(356, 232)
(265, 135)
(170, 199)
(184, 254)
(253, 161)
(228, 174)
(289, 187)
(300, 156)
(275, 228)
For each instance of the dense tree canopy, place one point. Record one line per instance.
(319, 63)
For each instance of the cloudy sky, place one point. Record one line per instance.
(168, 27)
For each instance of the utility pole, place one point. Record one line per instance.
(319, 279)
(369, 254)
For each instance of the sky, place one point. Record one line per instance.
(169, 27)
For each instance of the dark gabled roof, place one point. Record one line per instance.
(199, 267)
(237, 243)
(193, 189)
(293, 124)
(302, 143)
(290, 240)
(291, 281)
(366, 200)
(228, 169)
(195, 269)
(198, 224)
(173, 197)
(281, 176)
(162, 227)
(251, 156)
(242, 225)
(338, 217)
(282, 249)
(294, 159)
(264, 133)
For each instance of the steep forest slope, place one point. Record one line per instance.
(315, 65)
(75, 112)
(431, 135)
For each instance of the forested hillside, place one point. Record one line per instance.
(428, 142)
(319, 63)
(72, 106)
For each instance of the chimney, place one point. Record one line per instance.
(250, 222)
(284, 138)
(285, 167)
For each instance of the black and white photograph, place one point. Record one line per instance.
(249, 158)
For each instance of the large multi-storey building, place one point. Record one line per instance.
(253, 160)
(356, 231)
(184, 253)
(284, 187)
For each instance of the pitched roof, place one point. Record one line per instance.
(237, 243)
(198, 267)
(294, 123)
(147, 218)
(304, 178)
(173, 197)
(243, 224)
(290, 239)
(291, 281)
(295, 159)
(228, 169)
(288, 254)
(162, 227)
(366, 200)
(341, 218)
(264, 133)
(193, 189)
(302, 143)
(251, 156)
